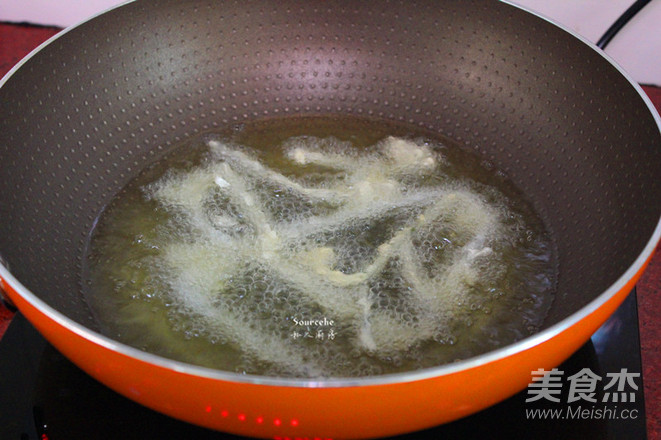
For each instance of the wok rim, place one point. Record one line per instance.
(342, 382)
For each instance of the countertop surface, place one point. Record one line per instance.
(16, 41)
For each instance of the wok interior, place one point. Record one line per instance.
(98, 104)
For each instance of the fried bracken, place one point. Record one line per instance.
(402, 259)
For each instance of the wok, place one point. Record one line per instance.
(100, 101)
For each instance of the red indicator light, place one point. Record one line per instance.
(277, 422)
(260, 420)
(207, 409)
(224, 413)
(294, 422)
(242, 417)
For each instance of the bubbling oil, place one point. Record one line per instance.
(319, 248)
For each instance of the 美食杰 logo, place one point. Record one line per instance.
(587, 395)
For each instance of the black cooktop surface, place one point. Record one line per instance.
(596, 394)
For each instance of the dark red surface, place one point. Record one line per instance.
(16, 41)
